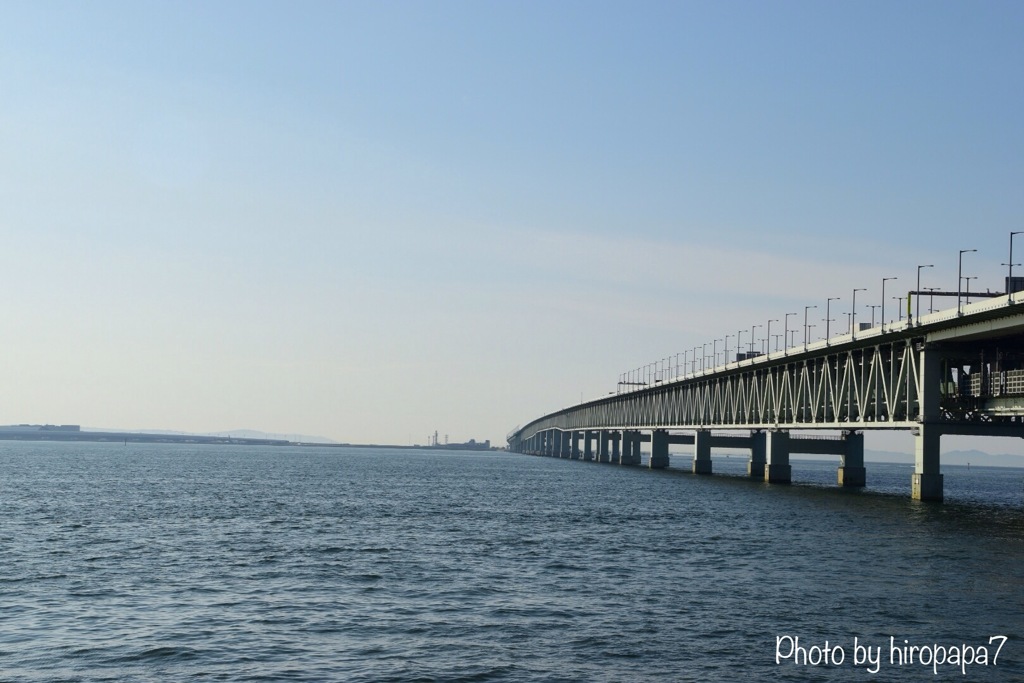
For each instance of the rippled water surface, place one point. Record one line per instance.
(154, 562)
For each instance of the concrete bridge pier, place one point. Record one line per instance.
(926, 481)
(588, 445)
(851, 460)
(630, 447)
(604, 438)
(616, 438)
(702, 452)
(758, 446)
(777, 469)
(574, 445)
(659, 449)
(563, 444)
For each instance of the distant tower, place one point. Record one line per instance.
(435, 437)
(445, 439)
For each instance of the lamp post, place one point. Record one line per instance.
(959, 277)
(967, 292)
(785, 338)
(853, 313)
(1011, 264)
(739, 344)
(884, 279)
(725, 352)
(917, 312)
(714, 349)
(806, 308)
(703, 357)
(768, 335)
(931, 298)
(872, 307)
(827, 318)
(752, 338)
(899, 306)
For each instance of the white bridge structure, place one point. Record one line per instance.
(957, 371)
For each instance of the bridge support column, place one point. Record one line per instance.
(926, 482)
(630, 447)
(755, 468)
(616, 438)
(777, 469)
(563, 444)
(604, 438)
(851, 462)
(574, 446)
(659, 449)
(588, 445)
(702, 452)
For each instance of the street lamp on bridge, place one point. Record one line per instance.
(967, 292)
(768, 335)
(785, 332)
(806, 309)
(884, 279)
(872, 307)
(959, 277)
(827, 318)
(1011, 264)
(917, 312)
(752, 338)
(853, 313)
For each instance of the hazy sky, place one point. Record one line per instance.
(371, 220)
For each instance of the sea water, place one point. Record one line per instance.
(150, 562)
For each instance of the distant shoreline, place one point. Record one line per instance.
(145, 437)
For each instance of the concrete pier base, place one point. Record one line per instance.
(852, 476)
(574, 445)
(926, 481)
(758, 459)
(630, 448)
(588, 449)
(926, 486)
(777, 469)
(603, 442)
(659, 449)
(702, 452)
(851, 462)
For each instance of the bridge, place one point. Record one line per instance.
(957, 371)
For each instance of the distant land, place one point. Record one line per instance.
(30, 432)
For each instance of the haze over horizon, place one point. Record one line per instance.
(371, 221)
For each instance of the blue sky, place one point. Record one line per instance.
(372, 220)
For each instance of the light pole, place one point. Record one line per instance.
(768, 336)
(703, 357)
(899, 306)
(872, 307)
(725, 352)
(1011, 264)
(752, 338)
(715, 351)
(959, 277)
(884, 279)
(967, 292)
(785, 338)
(739, 344)
(806, 308)
(917, 312)
(853, 314)
(827, 320)
(931, 298)
(776, 336)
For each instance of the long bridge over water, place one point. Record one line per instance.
(957, 371)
